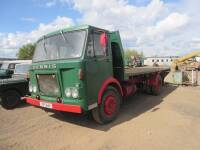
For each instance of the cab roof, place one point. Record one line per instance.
(72, 28)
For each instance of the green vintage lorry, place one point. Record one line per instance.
(81, 69)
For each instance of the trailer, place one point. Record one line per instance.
(81, 69)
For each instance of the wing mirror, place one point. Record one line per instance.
(103, 39)
(103, 42)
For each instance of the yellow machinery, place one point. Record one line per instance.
(184, 70)
(178, 64)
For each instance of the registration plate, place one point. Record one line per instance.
(46, 105)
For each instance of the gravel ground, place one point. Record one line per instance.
(169, 121)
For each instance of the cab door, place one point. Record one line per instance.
(98, 65)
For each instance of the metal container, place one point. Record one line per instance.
(177, 77)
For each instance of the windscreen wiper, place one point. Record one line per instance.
(61, 32)
(44, 46)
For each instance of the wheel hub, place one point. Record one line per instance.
(110, 105)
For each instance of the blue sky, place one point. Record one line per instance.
(25, 15)
(156, 27)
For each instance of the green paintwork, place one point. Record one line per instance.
(118, 55)
(96, 70)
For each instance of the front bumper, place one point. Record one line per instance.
(54, 106)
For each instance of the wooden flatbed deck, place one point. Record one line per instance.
(144, 70)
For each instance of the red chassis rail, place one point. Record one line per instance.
(129, 86)
(55, 106)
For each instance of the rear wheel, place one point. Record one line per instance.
(10, 99)
(108, 110)
(156, 89)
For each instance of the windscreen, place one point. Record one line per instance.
(61, 46)
(22, 69)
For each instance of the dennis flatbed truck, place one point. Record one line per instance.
(81, 69)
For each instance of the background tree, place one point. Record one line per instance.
(131, 52)
(142, 54)
(26, 51)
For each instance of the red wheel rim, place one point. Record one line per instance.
(110, 104)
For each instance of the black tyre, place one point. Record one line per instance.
(10, 99)
(108, 110)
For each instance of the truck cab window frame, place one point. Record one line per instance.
(94, 47)
(11, 66)
(90, 46)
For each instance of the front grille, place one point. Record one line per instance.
(48, 84)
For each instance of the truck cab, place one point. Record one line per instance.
(69, 63)
(80, 69)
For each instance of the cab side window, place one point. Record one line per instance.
(98, 48)
(99, 51)
(95, 45)
(11, 66)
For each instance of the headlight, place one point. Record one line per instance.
(34, 89)
(75, 93)
(68, 92)
(30, 88)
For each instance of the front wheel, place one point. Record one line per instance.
(108, 110)
(10, 99)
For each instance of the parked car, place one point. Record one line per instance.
(13, 89)
(8, 68)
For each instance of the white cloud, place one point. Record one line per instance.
(51, 3)
(120, 15)
(148, 28)
(195, 43)
(8, 53)
(12, 41)
(158, 28)
(169, 24)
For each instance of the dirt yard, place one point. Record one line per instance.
(170, 121)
